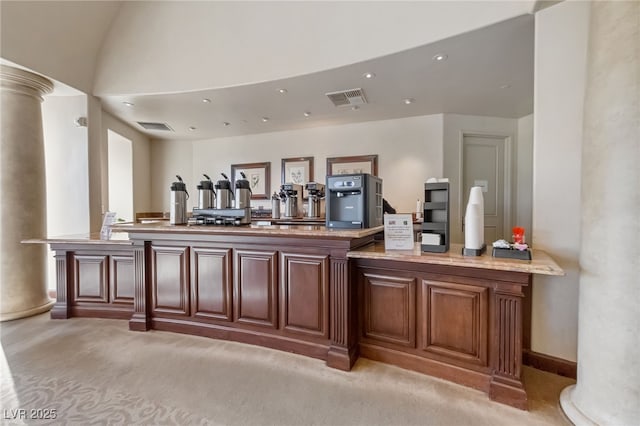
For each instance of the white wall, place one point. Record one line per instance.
(120, 158)
(168, 159)
(149, 49)
(66, 154)
(409, 151)
(560, 73)
(454, 127)
(59, 39)
(141, 160)
(524, 179)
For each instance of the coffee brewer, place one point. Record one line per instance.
(223, 193)
(205, 194)
(178, 201)
(243, 193)
(291, 193)
(316, 196)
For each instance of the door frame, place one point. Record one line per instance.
(508, 209)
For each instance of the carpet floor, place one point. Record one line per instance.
(96, 371)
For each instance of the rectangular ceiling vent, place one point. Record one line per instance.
(347, 97)
(155, 126)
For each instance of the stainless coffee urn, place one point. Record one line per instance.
(316, 196)
(205, 194)
(243, 193)
(223, 193)
(275, 206)
(178, 200)
(291, 193)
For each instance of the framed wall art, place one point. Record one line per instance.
(297, 170)
(353, 164)
(258, 175)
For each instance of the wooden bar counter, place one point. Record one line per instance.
(464, 319)
(325, 293)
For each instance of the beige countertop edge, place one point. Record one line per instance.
(541, 262)
(273, 230)
(118, 238)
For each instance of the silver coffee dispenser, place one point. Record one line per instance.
(316, 196)
(223, 193)
(291, 193)
(243, 193)
(178, 200)
(206, 195)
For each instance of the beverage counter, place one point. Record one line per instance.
(326, 293)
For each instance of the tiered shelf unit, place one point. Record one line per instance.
(436, 215)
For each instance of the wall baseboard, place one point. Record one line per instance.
(551, 364)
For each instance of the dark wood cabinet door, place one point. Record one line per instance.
(305, 294)
(170, 280)
(455, 320)
(211, 283)
(121, 278)
(91, 278)
(256, 287)
(389, 311)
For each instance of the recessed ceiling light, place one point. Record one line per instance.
(129, 104)
(307, 113)
(283, 91)
(440, 57)
(226, 123)
(355, 108)
(368, 75)
(505, 86)
(206, 100)
(408, 101)
(265, 119)
(192, 128)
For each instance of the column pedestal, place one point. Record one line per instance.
(23, 206)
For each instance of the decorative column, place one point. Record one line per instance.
(607, 391)
(23, 205)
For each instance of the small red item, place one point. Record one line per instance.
(518, 234)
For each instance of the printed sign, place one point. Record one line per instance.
(398, 232)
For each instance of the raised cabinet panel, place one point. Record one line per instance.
(455, 320)
(170, 280)
(212, 287)
(91, 278)
(255, 287)
(122, 279)
(305, 294)
(389, 309)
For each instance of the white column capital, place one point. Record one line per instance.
(24, 82)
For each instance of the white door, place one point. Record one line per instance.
(483, 164)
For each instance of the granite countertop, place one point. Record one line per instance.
(541, 263)
(121, 238)
(253, 229)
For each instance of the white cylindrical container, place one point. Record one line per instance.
(419, 209)
(473, 228)
(476, 197)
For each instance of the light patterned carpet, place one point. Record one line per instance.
(95, 371)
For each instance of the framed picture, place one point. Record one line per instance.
(353, 164)
(258, 175)
(297, 170)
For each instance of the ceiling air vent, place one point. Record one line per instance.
(155, 126)
(347, 97)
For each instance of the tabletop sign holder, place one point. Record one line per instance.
(398, 232)
(107, 221)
